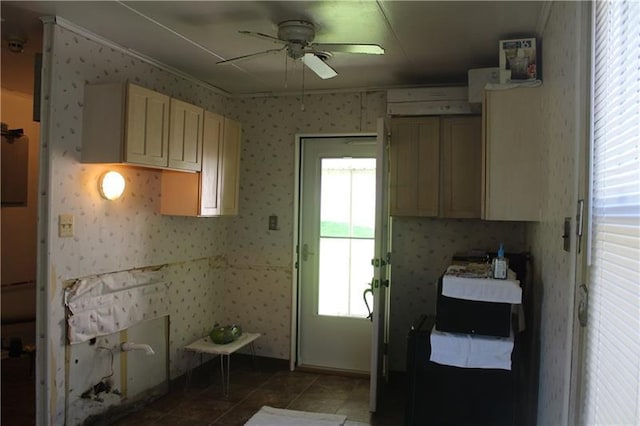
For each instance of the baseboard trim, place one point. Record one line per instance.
(332, 371)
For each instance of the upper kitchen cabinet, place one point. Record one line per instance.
(185, 136)
(461, 166)
(414, 168)
(435, 168)
(215, 190)
(230, 166)
(125, 123)
(512, 155)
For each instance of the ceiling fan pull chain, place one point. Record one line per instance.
(286, 69)
(302, 98)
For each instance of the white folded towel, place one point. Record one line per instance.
(471, 350)
(480, 288)
(269, 416)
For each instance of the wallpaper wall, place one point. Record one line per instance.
(127, 233)
(422, 250)
(259, 276)
(554, 271)
(258, 281)
(235, 269)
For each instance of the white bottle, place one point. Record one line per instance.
(499, 265)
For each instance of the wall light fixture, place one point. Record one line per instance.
(111, 185)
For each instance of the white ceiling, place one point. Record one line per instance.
(426, 42)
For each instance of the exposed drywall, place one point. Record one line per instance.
(554, 268)
(130, 232)
(232, 259)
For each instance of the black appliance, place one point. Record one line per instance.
(440, 395)
(475, 317)
(472, 317)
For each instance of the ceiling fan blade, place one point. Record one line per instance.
(367, 49)
(318, 66)
(263, 36)
(250, 56)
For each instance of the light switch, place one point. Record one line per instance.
(273, 223)
(65, 225)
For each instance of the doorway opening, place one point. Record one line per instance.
(337, 185)
(20, 170)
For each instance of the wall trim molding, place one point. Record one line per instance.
(67, 25)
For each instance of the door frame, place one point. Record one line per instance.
(583, 188)
(295, 302)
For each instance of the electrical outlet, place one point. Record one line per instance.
(65, 225)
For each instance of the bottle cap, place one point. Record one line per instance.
(501, 251)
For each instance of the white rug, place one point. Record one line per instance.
(269, 416)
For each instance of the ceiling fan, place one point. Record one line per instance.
(297, 40)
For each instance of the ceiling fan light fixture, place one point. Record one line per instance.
(297, 36)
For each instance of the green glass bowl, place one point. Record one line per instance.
(221, 335)
(236, 330)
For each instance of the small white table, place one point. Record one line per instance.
(206, 346)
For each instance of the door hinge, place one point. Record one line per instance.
(377, 262)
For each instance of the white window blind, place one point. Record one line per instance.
(612, 375)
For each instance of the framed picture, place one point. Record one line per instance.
(518, 60)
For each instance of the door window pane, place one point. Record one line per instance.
(347, 217)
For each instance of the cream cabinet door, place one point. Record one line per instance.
(229, 174)
(185, 136)
(414, 166)
(211, 143)
(147, 127)
(214, 190)
(512, 155)
(461, 166)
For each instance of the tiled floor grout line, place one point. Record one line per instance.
(303, 391)
(242, 400)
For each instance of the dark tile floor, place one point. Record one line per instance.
(266, 383)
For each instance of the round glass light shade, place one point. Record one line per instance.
(111, 185)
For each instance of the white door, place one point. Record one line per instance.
(336, 245)
(382, 275)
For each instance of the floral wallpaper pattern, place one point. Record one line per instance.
(261, 259)
(236, 270)
(422, 250)
(260, 262)
(554, 272)
(127, 233)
